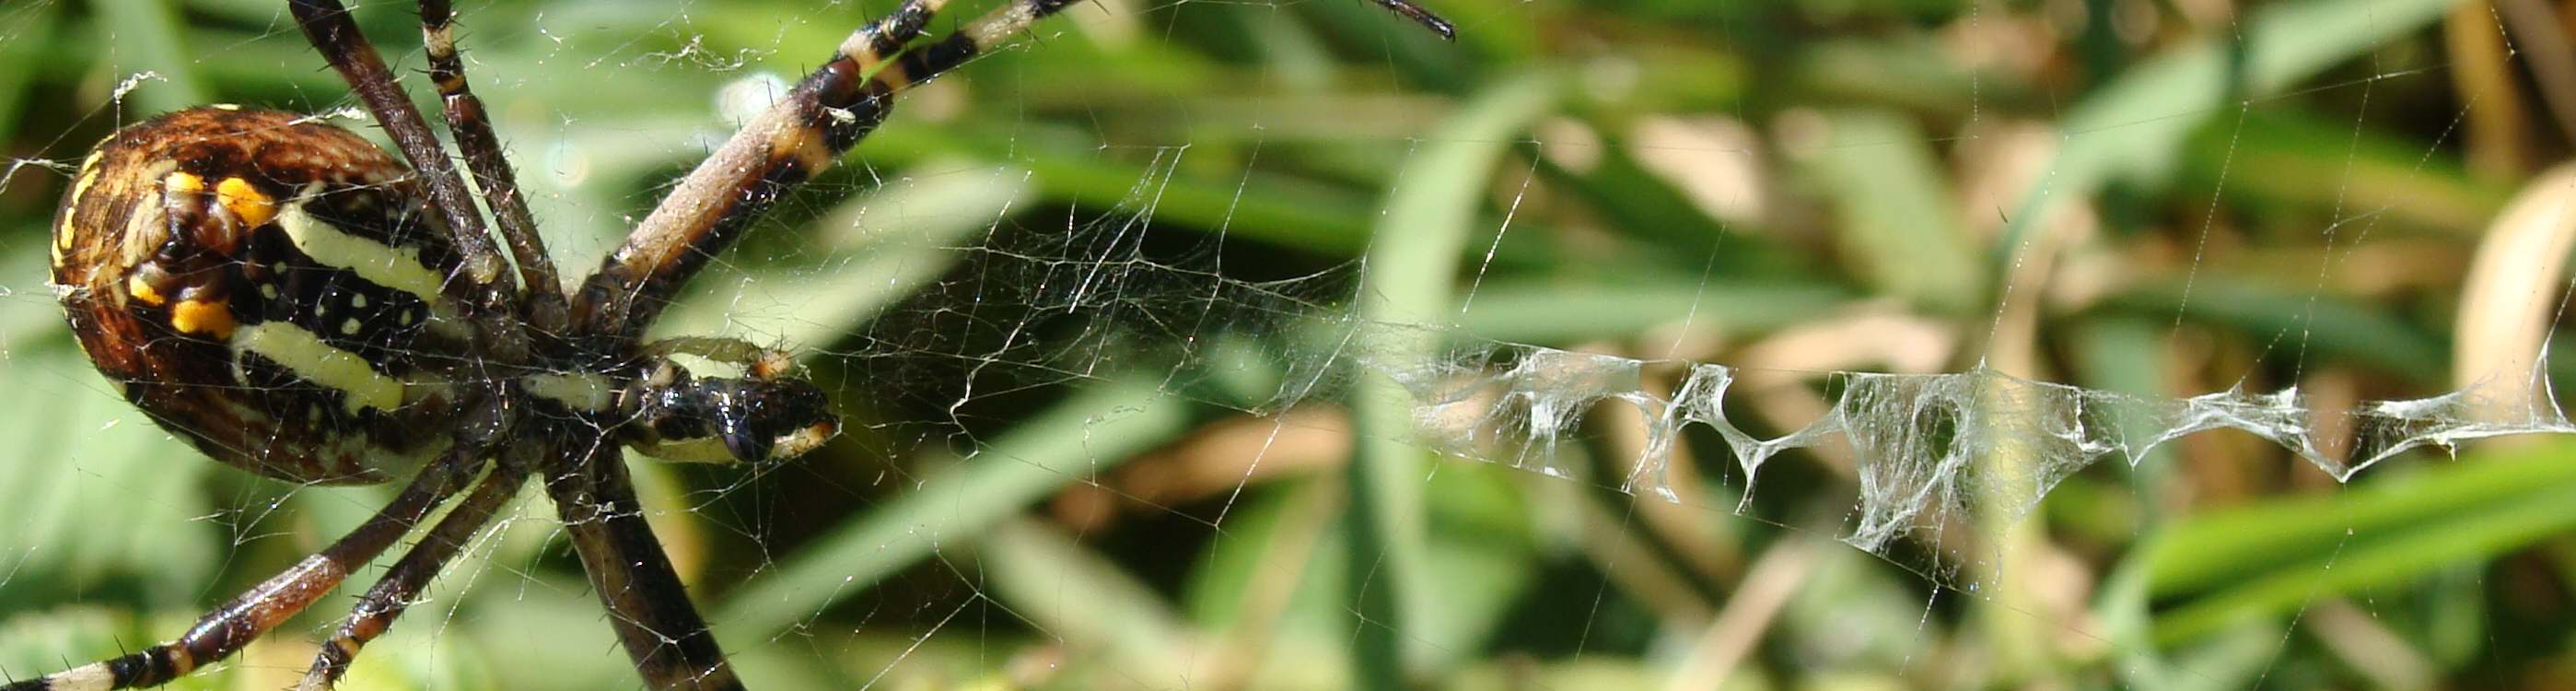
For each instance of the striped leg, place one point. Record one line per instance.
(872, 44)
(467, 120)
(795, 138)
(403, 583)
(798, 137)
(251, 614)
(327, 26)
(987, 32)
(672, 647)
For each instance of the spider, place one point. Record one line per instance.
(295, 302)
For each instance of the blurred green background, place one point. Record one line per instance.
(1068, 297)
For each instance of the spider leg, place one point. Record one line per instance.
(254, 612)
(763, 363)
(795, 138)
(668, 639)
(802, 134)
(922, 64)
(376, 610)
(1424, 17)
(472, 128)
(327, 26)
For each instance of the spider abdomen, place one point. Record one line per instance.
(264, 286)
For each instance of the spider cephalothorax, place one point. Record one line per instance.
(679, 417)
(297, 303)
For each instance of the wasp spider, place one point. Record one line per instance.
(295, 302)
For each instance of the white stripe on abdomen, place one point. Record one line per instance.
(313, 360)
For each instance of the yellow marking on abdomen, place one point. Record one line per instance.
(183, 182)
(315, 361)
(212, 318)
(399, 268)
(247, 203)
(142, 290)
(72, 204)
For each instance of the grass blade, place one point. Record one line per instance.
(1412, 267)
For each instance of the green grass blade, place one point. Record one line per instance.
(1088, 603)
(2135, 127)
(36, 26)
(2274, 557)
(1089, 433)
(1899, 223)
(2325, 326)
(1412, 268)
(146, 33)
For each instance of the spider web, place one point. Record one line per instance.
(1270, 344)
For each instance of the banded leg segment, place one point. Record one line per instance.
(987, 32)
(800, 136)
(403, 583)
(472, 127)
(672, 647)
(872, 44)
(795, 138)
(254, 612)
(327, 26)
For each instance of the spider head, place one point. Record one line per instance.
(764, 415)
